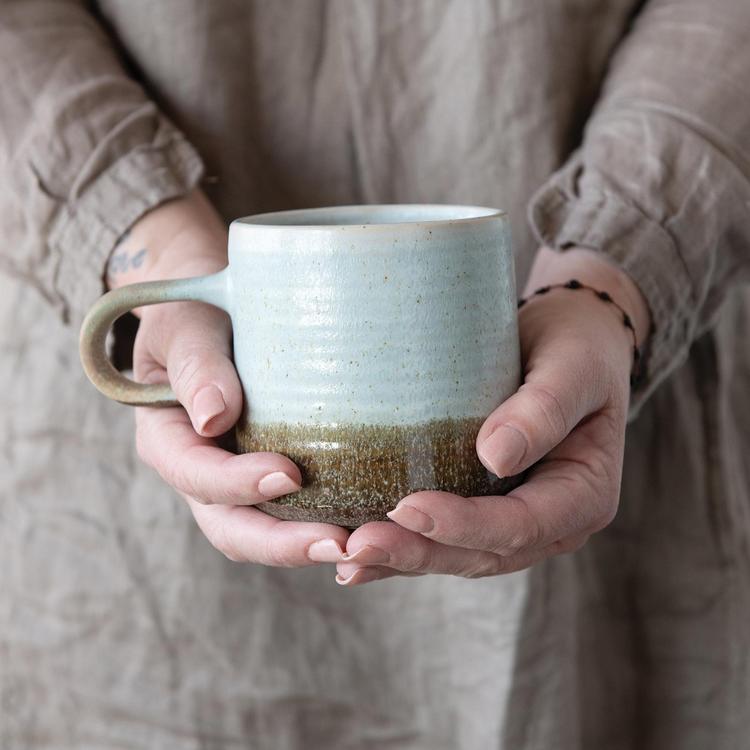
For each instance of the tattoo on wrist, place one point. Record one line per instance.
(123, 260)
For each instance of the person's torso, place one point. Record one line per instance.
(335, 102)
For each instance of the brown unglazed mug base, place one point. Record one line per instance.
(353, 474)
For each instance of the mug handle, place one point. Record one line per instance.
(213, 289)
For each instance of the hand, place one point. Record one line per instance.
(567, 421)
(188, 344)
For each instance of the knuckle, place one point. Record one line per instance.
(527, 534)
(149, 372)
(580, 505)
(483, 567)
(590, 506)
(473, 573)
(189, 475)
(462, 527)
(602, 496)
(604, 465)
(221, 538)
(604, 518)
(277, 555)
(192, 363)
(172, 475)
(501, 566)
(613, 419)
(228, 492)
(228, 551)
(548, 404)
(420, 559)
(517, 543)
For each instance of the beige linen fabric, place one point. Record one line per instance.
(623, 126)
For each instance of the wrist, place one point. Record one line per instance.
(592, 269)
(180, 238)
(576, 324)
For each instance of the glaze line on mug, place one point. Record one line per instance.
(353, 474)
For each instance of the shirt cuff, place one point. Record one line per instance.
(563, 215)
(86, 229)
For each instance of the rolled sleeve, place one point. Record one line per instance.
(636, 244)
(661, 182)
(86, 230)
(84, 152)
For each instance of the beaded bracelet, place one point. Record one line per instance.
(574, 284)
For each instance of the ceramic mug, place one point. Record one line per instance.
(371, 343)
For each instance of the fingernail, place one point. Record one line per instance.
(359, 576)
(325, 551)
(277, 483)
(411, 518)
(207, 404)
(368, 555)
(503, 451)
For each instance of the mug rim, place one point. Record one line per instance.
(463, 214)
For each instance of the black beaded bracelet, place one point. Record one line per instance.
(574, 284)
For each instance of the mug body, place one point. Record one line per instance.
(371, 343)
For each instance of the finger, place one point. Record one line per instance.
(195, 346)
(201, 371)
(354, 569)
(248, 535)
(194, 465)
(552, 401)
(351, 574)
(564, 497)
(390, 545)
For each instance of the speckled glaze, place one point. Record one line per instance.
(357, 473)
(371, 342)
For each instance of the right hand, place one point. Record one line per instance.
(188, 344)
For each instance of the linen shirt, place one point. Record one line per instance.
(621, 126)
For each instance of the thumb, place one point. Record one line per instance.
(528, 425)
(198, 360)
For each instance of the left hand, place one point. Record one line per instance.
(189, 345)
(567, 420)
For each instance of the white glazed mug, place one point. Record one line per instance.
(371, 343)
